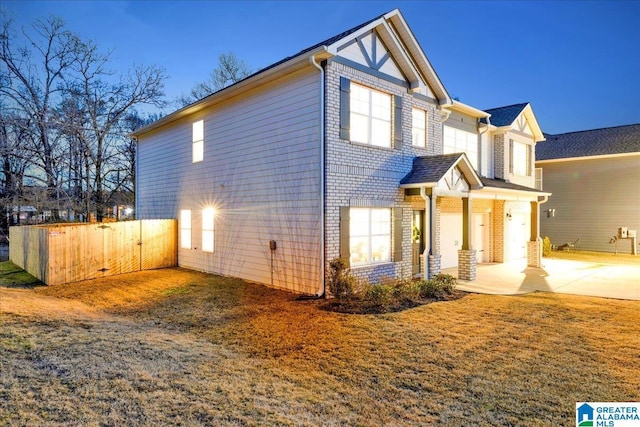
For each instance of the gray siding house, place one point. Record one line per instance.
(351, 148)
(594, 176)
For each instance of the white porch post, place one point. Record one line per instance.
(467, 255)
(534, 245)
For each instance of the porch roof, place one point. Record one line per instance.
(427, 171)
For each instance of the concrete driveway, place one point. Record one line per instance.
(561, 276)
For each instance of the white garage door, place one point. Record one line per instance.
(450, 239)
(517, 238)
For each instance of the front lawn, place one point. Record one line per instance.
(177, 347)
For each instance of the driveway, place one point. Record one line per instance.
(561, 276)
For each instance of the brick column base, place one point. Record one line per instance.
(467, 264)
(434, 265)
(534, 253)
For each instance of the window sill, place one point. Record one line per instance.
(370, 265)
(377, 147)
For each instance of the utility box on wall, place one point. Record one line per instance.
(622, 233)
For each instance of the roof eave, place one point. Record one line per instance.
(296, 62)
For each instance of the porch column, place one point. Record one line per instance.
(534, 245)
(467, 255)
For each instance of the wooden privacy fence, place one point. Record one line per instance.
(64, 253)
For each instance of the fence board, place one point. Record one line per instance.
(64, 253)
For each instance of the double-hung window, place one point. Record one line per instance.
(520, 158)
(461, 141)
(197, 140)
(208, 219)
(185, 229)
(419, 127)
(369, 235)
(370, 116)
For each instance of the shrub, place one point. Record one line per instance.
(379, 294)
(341, 282)
(437, 287)
(406, 289)
(546, 246)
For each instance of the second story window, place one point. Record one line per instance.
(370, 116)
(520, 158)
(460, 141)
(198, 141)
(419, 127)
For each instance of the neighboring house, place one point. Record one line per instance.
(351, 148)
(594, 176)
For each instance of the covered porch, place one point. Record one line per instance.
(467, 219)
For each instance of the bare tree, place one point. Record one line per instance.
(33, 74)
(106, 101)
(230, 70)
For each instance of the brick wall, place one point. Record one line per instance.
(498, 231)
(367, 176)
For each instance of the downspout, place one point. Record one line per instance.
(427, 236)
(135, 184)
(322, 288)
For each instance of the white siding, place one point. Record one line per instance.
(592, 198)
(261, 173)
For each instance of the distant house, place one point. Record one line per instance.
(594, 176)
(351, 148)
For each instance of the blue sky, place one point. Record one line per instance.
(578, 63)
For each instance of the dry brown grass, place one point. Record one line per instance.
(176, 347)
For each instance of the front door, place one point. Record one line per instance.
(417, 240)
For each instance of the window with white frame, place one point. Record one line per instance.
(369, 235)
(208, 219)
(419, 127)
(520, 158)
(370, 116)
(461, 141)
(197, 140)
(185, 229)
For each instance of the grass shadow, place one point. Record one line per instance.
(14, 277)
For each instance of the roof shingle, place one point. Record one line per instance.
(430, 168)
(595, 142)
(504, 116)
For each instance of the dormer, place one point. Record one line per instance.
(515, 132)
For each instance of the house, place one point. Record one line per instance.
(594, 176)
(351, 148)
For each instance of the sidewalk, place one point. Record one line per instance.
(561, 276)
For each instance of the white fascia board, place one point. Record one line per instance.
(533, 123)
(423, 64)
(467, 109)
(422, 184)
(598, 157)
(506, 194)
(293, 64)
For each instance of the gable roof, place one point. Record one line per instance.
(428, 170)
(504, 116)
(394, 31)
(588, 143)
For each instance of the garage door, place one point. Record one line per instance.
(450, 239)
